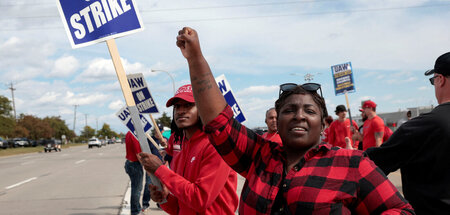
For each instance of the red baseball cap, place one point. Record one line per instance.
(369, 104)
(185, 93)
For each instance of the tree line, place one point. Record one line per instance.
(36, 128)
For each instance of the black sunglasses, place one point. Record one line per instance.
(432, 80)
(310, 87)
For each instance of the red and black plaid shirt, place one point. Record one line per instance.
(328, 180)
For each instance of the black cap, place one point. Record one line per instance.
(340, 108)
(442, 65)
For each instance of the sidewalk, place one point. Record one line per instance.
(125, 210)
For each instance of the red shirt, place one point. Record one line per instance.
(326, 134)
(339, 131)
(274, 137)
(173, 147)
(387, 133)
(132, 147)
(328, 180)
(200, 182)
(370, 127)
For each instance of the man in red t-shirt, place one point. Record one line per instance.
(373, 128)
(340, 129)
(198, 181)
(271, 122)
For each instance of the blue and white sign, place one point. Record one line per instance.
(141, 94)
(225, 88)
(92, 21)
(125, 116)
(343, 78)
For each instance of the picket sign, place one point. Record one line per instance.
(120, 72)
(143, 97)
(93, 21)
(344, 83)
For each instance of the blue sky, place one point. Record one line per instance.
(257, 44)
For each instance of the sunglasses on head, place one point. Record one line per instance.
(310, 87)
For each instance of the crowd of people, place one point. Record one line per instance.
(306, 163)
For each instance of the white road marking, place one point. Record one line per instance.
(26, 157)
(64, 155)
(80, 161)
(100, 154)
(29, 162)
(20, 183)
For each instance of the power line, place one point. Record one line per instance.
(197, 8)
(262, 16)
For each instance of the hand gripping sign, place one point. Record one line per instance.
(92, 21)
(143, 99)
(225, 88)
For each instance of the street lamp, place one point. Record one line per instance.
(173, 81)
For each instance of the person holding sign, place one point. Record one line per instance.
(301, 176)
(271, 122)
(134, 170)
(199, 181)
(340, 129)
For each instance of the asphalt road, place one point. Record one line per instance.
(76, 181)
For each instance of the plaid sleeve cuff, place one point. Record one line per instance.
(220, 121)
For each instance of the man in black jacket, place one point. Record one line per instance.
(421, 149)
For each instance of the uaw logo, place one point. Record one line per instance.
(185, 89)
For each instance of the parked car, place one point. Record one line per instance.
(3, 143)
(103, 142)
(53, 144)
(21, 142)
(94, 142)
(110, 141)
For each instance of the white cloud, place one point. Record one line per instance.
(423, 88)
(64, 67)
(258, 90)
(101, 69)
(116, 105)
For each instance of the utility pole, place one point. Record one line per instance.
(14, 105)
(74, 118)
(85, 124)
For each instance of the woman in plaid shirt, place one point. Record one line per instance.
(303, 176)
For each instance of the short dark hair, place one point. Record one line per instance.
(319, 100)
(329, 119)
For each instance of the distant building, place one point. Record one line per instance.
(392, 119)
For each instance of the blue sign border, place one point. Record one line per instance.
(124, 24)
(349, 89)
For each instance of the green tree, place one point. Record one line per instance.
(164, 120)
(59, 127)
(37, 128)
(7, 122)
(5, 107)
(7, 125)
(106, 131)
(87, 133)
